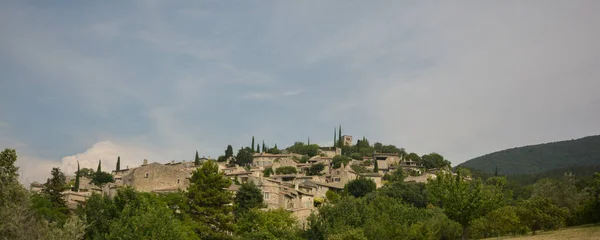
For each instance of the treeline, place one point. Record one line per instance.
(452, 206)
(206, 211)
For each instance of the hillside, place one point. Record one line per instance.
(540, 158)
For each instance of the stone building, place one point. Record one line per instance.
(347, 139)
(264, 160)
(330, 151)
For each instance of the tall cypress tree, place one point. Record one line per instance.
(340, 140)
(334, 139)
(375, 166)
(118, 163)
(253, 145)
(308, 141)
(99, 166)
(76, 187)
(496, 172)
(197, 159)
(258, 148)
(264, 147)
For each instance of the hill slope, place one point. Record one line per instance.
(540, 158)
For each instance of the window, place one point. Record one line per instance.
(177, 181)
(146, 175)
(266, 196)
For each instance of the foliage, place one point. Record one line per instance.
(412, 193)
(98, 211)
(86, 172)
(196, 159)
(101, 178)
(271, 224)
(337, 161)
(358, 168)
(54, 188)
(304, 159)
(44, 208)
(538, 213)
(378, 217)
(395, 176)
(303, 149)
(274, 150)
(77, 181)
(315, 169)
(434, 160)
(462, 201)
(413, 157)
(118, 164)
(268, 172)
(244, 157)
(247, 197)
(540, 158)
(209, 202)
(499, 222)
(332, 197)
(360, 187)
(286, 170)
(148, 218)
(8, 170)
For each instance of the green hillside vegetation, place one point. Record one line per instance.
(540, 158)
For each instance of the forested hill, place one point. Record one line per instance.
(540, 158)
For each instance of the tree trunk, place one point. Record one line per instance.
(464, 233)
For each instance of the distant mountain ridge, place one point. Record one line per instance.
(540, 158)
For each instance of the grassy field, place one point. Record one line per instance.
(586, 232)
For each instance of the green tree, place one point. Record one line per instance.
(99, 211)
(229, 152)
(8, 170)
(271, 224)
(264, 147)
(338, 160)
(340, 139)
(244, 157)
(503, 221)
(209, 202)
(101, 178)
(462, 201)
(197, 159)
(99, 169)
(247, 197)
(148, 218)
(86, 172)
(315, 169)
(375, 166)
(118, 163)
(360, 187)
(539, 213)
(55, 186)
(268, 172)
(413, 157)
(434, 160)
(286, 170)
(258, 149)
(76, 186)
(332, 196)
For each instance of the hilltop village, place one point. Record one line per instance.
(296, 179)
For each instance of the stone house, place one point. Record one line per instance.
(330, 151)
(264, 160)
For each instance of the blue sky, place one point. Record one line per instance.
(84, 80)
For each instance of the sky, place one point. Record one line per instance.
(158, 80)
